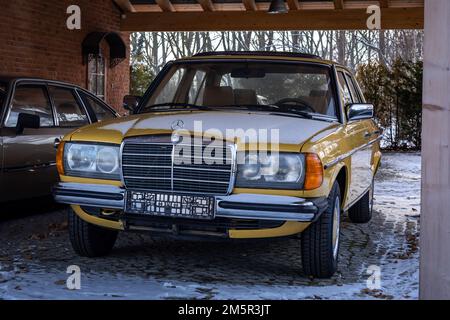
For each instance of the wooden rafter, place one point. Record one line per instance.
(125, 5)
(249, 5)
(293, 4)
(165, 5)
(338, 4)
(207, 5)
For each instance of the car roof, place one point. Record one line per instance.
(263, 55)
(8, 79)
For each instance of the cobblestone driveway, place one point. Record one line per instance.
(35, 252)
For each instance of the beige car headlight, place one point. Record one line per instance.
(92, 161)
(271, 171)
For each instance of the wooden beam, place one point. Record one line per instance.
(435, 202)
(393, 18)
(293, 4)
(207, 5)
(249, 5)
(165, 5)
(339, 4)
(125, 5)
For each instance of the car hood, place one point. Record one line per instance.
(291, 130)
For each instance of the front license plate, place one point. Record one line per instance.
(170, 205)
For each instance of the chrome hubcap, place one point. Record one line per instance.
(336, 226)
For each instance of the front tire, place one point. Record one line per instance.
(320, 242)
(361, 211)
(89, 240)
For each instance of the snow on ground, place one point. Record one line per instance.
(35, 254)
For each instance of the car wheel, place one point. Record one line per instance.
(361, 211)
(320, 242)
(89, 240)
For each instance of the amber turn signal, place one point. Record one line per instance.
(60, 158)
(314, 172)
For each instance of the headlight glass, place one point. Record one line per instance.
(271, 171)
(92, 161)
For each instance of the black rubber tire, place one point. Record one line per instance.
(89, 240)
(317, 242)
(361, 211)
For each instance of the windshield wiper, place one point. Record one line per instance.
(305, 114)
(273, 109)
(258, 107)
(174, 106)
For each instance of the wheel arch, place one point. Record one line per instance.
(342, 180)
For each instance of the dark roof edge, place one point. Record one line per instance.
(259, 53)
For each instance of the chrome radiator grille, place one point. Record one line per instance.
(152, 164)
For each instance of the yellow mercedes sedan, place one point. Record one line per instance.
(228, 144)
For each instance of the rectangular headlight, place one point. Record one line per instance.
(271, 171)
(92, 161)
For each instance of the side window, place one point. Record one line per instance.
(100, 111)
(68, 111)
(345, 91)
(31, 99)
(353, 91)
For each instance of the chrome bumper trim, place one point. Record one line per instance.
(238, 206)
(266, 207)
(94, 195)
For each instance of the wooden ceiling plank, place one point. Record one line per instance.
(264, 6)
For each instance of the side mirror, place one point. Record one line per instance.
(130, 102)
(359, 111)
(26, 120)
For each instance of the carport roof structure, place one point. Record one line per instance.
(431, 15)
(232, 15)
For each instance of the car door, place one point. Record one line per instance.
(29, 156)
(358, 136)
(96, 108)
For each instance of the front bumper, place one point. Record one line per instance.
(238, 206)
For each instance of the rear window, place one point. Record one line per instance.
(2, 94)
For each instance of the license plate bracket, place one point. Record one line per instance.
(189, 206)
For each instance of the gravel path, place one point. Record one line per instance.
(35, 253)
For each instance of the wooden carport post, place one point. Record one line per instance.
(435, 217)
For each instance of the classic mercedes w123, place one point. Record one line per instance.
(232, 145)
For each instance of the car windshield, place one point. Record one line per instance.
(272, 86)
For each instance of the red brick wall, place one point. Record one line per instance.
(35, 42)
